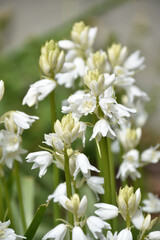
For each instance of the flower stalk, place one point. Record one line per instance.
(20, 196)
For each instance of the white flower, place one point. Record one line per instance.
(135, 93)
(54, 141)
(150, 155)
(143, 223)
(41, 159)
(134, 62)
(102, 129)
(110, 236)
(96, 226)
(83, 165)
(125, 234)
(38, 91)
(129, 166)
(123, 78)
(106, 211)
(95, 183)
(10, 144)
(1, 89)
(87, 105)
(8, 233)
(57, 233)
(154, 235)
(74, 205)
(70, 72)
(59, 191)
(77, 234)
(152, 204)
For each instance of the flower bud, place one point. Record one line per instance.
(51, 59)
(116, 54)
(98, 61)
(128, 201)
(80, 29)
(1, 89)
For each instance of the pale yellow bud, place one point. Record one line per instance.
(79, 33)
(51, 59)
(94, 81)
(67, 129)
(98, 61)
(116, 54)
(128, 201)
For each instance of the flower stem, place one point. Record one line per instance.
(1, 204)
(20, 197)
(8, 200)
(56, 180)
(68, 184)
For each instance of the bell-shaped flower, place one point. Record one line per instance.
(74, 205)
(54, 141)
(41, 159)
(134, 93)
(70, 72)
(96, 226)
(102, 129)
(78, 234)
(154, 235)
(125, 234)
(150, 155)
(95, 183)
(8, 233)
(16, 121)
(110, 236)
(128, 201)
(38, 91)
(106, 211)
(10, 144)
(51, 59)
(152, 204)
(57, 233)
(143, 223)
(83, 165)
(59, 191)
(1, 89)
(134, 62)
(128, 167)
(128, 137)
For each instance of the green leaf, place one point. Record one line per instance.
(36, 221)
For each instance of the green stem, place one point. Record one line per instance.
(20, 196)
(1, 203)
(68, 184)
(8, 201)
(104, 158)
(56, 177)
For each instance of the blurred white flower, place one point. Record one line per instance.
(152, 204)
(59, 191)
(106, 211)
(70, 72)
(10, 144)
(1, 89)
(154, 235)
(41, 159)
(96, 226)
(95, 183)
(8, 233)
(110, 236)
(57, 233)
(78, 234)
(54, 141)
(125, 234)
(38, 91)
(83, 165)
(128, 167)
(150, 155)
(134, 62)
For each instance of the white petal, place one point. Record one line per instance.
(66, 44)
